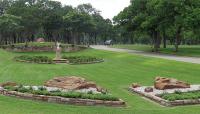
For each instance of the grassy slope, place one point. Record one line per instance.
(117, 72)
(184, 50)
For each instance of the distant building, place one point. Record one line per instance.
(40, 40)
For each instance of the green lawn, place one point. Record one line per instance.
(184, 50)
(117, 72)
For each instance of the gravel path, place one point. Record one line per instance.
(157, 55)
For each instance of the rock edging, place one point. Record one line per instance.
(166, 102)
(62, 100)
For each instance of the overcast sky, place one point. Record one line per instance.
(108, 8)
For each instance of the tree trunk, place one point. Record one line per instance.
(157, 41)
(178, 39)
(95, 38)
(164, 40)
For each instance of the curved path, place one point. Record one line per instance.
(157, 55)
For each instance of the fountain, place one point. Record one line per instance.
(58, 58)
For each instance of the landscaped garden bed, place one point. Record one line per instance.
(68, 59)
(34, 59)
(82, 59)
(78, 92)
(172, 93)
(41, 47)
(178, 95)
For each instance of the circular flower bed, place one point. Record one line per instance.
(46, 60)
(34, 59)
(82, 59)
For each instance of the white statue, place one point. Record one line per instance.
(57, 45)
(58, 51)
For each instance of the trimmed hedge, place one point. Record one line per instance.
(43, 91)
(82, 59)
(180, 95)
(34, 59)
(37, 44)
(46, 60)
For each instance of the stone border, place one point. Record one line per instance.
(62, 100)
(166, 102)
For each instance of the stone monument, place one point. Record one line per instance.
(58, 58)
(58, 51)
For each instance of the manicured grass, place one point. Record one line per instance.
(184, 50)
(115, 74)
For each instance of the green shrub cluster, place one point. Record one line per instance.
(181, 95)
(82, 59)
(35, 59)
(72, 94)
(37, 44)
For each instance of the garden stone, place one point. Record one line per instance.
(73, 83)
(162, 83)
(148, 89)
(135, 85)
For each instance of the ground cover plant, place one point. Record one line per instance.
(180, 95)
(71, 94)
(34, 59)
(82, 59)
(115, 74)
(48, 60)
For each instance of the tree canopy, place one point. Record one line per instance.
(30, 19)
(161, 20)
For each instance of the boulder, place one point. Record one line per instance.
(71, 83)
(135, 85)
(163, 83)
(8, 84)
(148, 89)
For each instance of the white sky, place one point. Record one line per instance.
(108, 8)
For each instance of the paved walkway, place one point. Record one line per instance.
(157, 55)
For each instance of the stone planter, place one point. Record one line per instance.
(62, 100)
(165, 102)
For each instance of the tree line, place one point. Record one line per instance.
(26, 20)
(160, 22)
(152, 22)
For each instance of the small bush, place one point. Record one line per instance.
(177, 95)
(35, 59)
(82, 59)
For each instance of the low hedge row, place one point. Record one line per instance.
(39, 45)
(34, 59)
(82, 59)
(43, 91)
(47, 60)
(180, 95)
